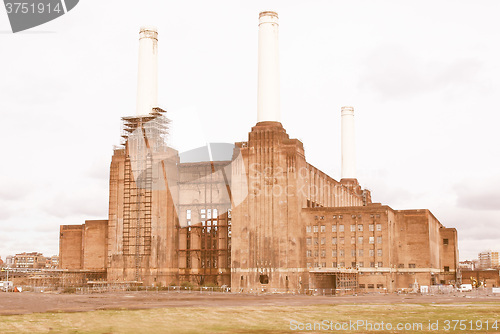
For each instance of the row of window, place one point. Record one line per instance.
(341, 253)
(342, 264)
(359, 228)
(207, 214)
(371, 286)
(342, 216)
(341, 240)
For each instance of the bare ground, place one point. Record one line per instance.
(29, 302)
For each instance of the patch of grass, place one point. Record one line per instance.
(267, 319)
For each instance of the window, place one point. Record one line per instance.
(315, 241)
(308, 253)
(361, 264)
(380, 264)
(360, 228)
(323, 228)
(323, 240)
(360, 252)
(341, 240)
(371, 252)
(412, 265)
(380, 286)
(315, 228)
(308, 241)
(334, 253)
(361, 286)
(316, 264)
(353, 252)
(341, 228)
(353, 240)
(316, 253)
(308, 264)
(340, 216)
(341, 264)
(202, 213)
(446, 269)
(353, 264)
(308, 229)
(401, 265)
(377, 216)
(379, 240)
(341, 252)
(371, 227)
(334, 241)
(379, 252)
(360, 240)
(371, 240)
(379, 227)
(353, 228)
(323, 253)
(353, 216)
(334, 228)
(334, 264)
(334, 217)
(445, 241)
(372, 264)
(323, 264)
(371, 286)
(188, 214)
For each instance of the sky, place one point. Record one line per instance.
(423, 78)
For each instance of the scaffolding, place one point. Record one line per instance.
(337, 281)
(142, 137)
(207, 250)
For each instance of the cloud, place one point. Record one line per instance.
(478, 194)
(393, 72)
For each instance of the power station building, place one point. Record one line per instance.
(254, 215)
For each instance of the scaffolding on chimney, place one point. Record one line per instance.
(143, 136)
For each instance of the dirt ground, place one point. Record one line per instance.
(30, 302)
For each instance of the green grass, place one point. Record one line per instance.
(266, 319)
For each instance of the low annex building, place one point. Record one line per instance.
(255, 216)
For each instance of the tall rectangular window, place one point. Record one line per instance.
(360, 240)
(334, 241)
(341, 228)
(334, 228)
(360, 228)
(379, 252)
(334, 253)
(353, 228)
(379, 240)
(379, 227)
(315, 228)
(371, 240)
(308, 229)
(323, 228)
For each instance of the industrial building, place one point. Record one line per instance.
(255, 216)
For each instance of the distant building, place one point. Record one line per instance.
(467, 265)
(488, 259)
(52, 262)
(9, 261)
(32, 260)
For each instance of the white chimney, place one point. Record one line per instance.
(268, 91)
(348, 147)
(147, 78)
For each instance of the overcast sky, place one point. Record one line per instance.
(423, 78)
